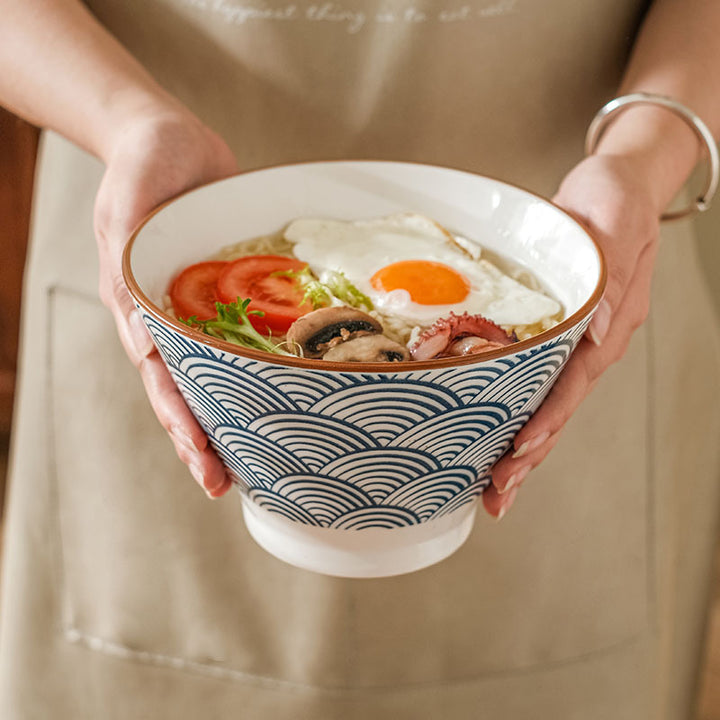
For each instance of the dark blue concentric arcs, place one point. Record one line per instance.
(361, 450)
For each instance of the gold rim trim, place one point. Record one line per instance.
(288, 361)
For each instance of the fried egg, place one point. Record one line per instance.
(410, 266)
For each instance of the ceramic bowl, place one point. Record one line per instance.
(374, 469)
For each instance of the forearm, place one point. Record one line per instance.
(59, 68)
(677, 54)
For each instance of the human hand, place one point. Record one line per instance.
(153, 159)
(604, 193)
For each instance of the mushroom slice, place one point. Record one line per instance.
(370, 348)
(321, 330)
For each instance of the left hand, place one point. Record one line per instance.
(156, 157)
(605, 195)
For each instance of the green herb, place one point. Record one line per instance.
(315, 292)
(233, 324)
(321, 294)
(344, 290)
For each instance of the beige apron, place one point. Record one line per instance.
(127, 594)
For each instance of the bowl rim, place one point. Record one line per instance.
(359, 367)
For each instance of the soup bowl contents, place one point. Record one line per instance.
(362, 341)
(389, 289)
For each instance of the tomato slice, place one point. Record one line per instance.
(278, 296)
(194, 290)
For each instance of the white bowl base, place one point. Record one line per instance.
(368, 553)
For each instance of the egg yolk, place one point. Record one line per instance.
(429, 283)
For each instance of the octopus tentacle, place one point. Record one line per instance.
(442, 338)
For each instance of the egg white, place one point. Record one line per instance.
(360, 248)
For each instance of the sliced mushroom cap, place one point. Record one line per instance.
(320, 330)
(370, 348)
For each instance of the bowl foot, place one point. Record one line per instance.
(367, 553)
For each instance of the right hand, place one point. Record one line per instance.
(605, 193)
(154, 158)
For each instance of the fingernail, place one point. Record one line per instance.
(215, 493)
(197, 473)
(531, 444)
(515, 479)
(600, 323)
(212, 493)
(140, 336)
(506, 505)
(184, 439)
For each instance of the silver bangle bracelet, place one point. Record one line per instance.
(608, 111)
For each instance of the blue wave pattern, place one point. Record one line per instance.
(361, 450)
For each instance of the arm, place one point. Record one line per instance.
(642, 160)
(62, 70)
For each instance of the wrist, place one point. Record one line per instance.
(658, 147)
(127, 109)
